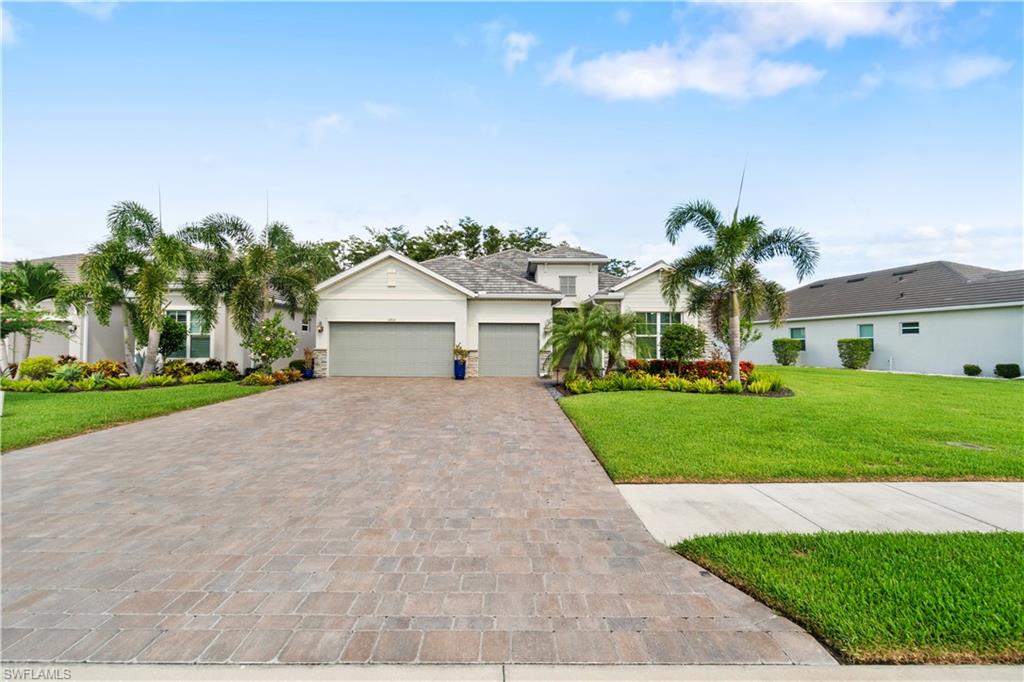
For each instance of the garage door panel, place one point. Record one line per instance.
(509, 350)
(407, 349)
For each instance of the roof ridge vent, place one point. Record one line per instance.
(855, 279)
(816, 286)
(903, 272)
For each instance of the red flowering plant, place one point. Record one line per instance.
(716, 369)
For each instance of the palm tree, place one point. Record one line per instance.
(135, 268)
(620, 328)
(722, 277)
(579, 334)
(249, 273)
(27, 285)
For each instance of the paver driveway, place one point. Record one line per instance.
(355, 520)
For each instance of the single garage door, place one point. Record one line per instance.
(509, 350)
(393, 349)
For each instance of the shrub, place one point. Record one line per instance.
(1008, 370)
(213, 365)
(188, 380)
(72, 371)
(49, 385)
(38, 367)
(93, 382)
(855, 353)
(16, 385)
(579, 386)
(297, 364)
(231, 366)
(786, 350)
(733, 387)
(271, 341)
(647, 382)
(65, 359)
(124, 383)
(677, 384)
(682, 342)
(759, 387)
(211, 377)
(158, 380)
(258, 379)
(705, 385)
(108, 368)
(972, 370)
(772, 380)
(716, 370)
(177, 369)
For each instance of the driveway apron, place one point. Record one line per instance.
(355, 520)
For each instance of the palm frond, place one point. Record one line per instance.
(702, 215)
(799, 246)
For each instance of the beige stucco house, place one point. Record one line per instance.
(393, 316)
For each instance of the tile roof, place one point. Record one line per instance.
(515, 261)
(569, 252)
(484, 279)
(69, 264)
(938, 284)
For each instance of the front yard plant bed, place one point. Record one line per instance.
(886, 597)
(32, 418)
(841, 425)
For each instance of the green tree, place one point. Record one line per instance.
(580, 335)
(620, 328)
(229, 263)
(748, 333)
(619, 267)
(173, 335)
(722, 277)
(26, 286)
(270, 340)
(682, 342)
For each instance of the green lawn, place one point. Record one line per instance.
(888, 597)
(841, 425)
(31, 418)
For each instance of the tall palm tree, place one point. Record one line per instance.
(248, 272)
(620, 328)
(578, 334)
(134, 267)
(27, 285)
(722, 277)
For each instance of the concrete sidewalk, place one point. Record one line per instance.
(673, 512)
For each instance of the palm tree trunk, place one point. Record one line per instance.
(28, 345)
(734, 335)
(152, 346)
(129, 342)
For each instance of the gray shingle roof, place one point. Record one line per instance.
(938, 284)
(569, 252)
(606, 280)
(69, 264)
(484, 279)
(515, 261)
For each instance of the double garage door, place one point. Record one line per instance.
(424, 349)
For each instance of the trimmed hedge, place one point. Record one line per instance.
(972, 370)
(786, 350)
(855, 353)
(1008, 370)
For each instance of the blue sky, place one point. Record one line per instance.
(892, 133)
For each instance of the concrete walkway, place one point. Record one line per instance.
(673, 512)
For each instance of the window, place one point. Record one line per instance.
(197, 343)
(567, 285)
(867, 331)
(799, 333)
(910, 327)
(652, 326)
(305, 325)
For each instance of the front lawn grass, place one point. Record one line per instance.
(32, 418)
(842, 425)
(887, 597)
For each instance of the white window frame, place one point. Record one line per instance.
(916, 326)
(802, 340)
(188, 338)
(305, 325)
(861, 336)
(567, 285)
(658, 330)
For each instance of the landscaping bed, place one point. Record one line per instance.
(32, 418)
(886, 597)
(841, 425)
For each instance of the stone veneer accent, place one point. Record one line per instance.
(473, 364)
(319, 362)
(543, 362)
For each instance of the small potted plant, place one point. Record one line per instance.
(307, 368)
(460, 354)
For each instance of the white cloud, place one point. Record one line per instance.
(623, 16)
(965, 70)
(722, 66)
(926, 232)
(7, 34)
(96, 10)
(782, 25)
(517, 47)
(320, 128)
(379, 110)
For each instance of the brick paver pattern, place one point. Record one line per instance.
(355, 520)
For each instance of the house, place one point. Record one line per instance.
(393, 316)
(931, 318)
(91, 341)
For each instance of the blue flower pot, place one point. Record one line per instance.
(307, 373)
(460, 369)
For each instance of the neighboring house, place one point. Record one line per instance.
(91, 341)
(931, 318)
(392, 316)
